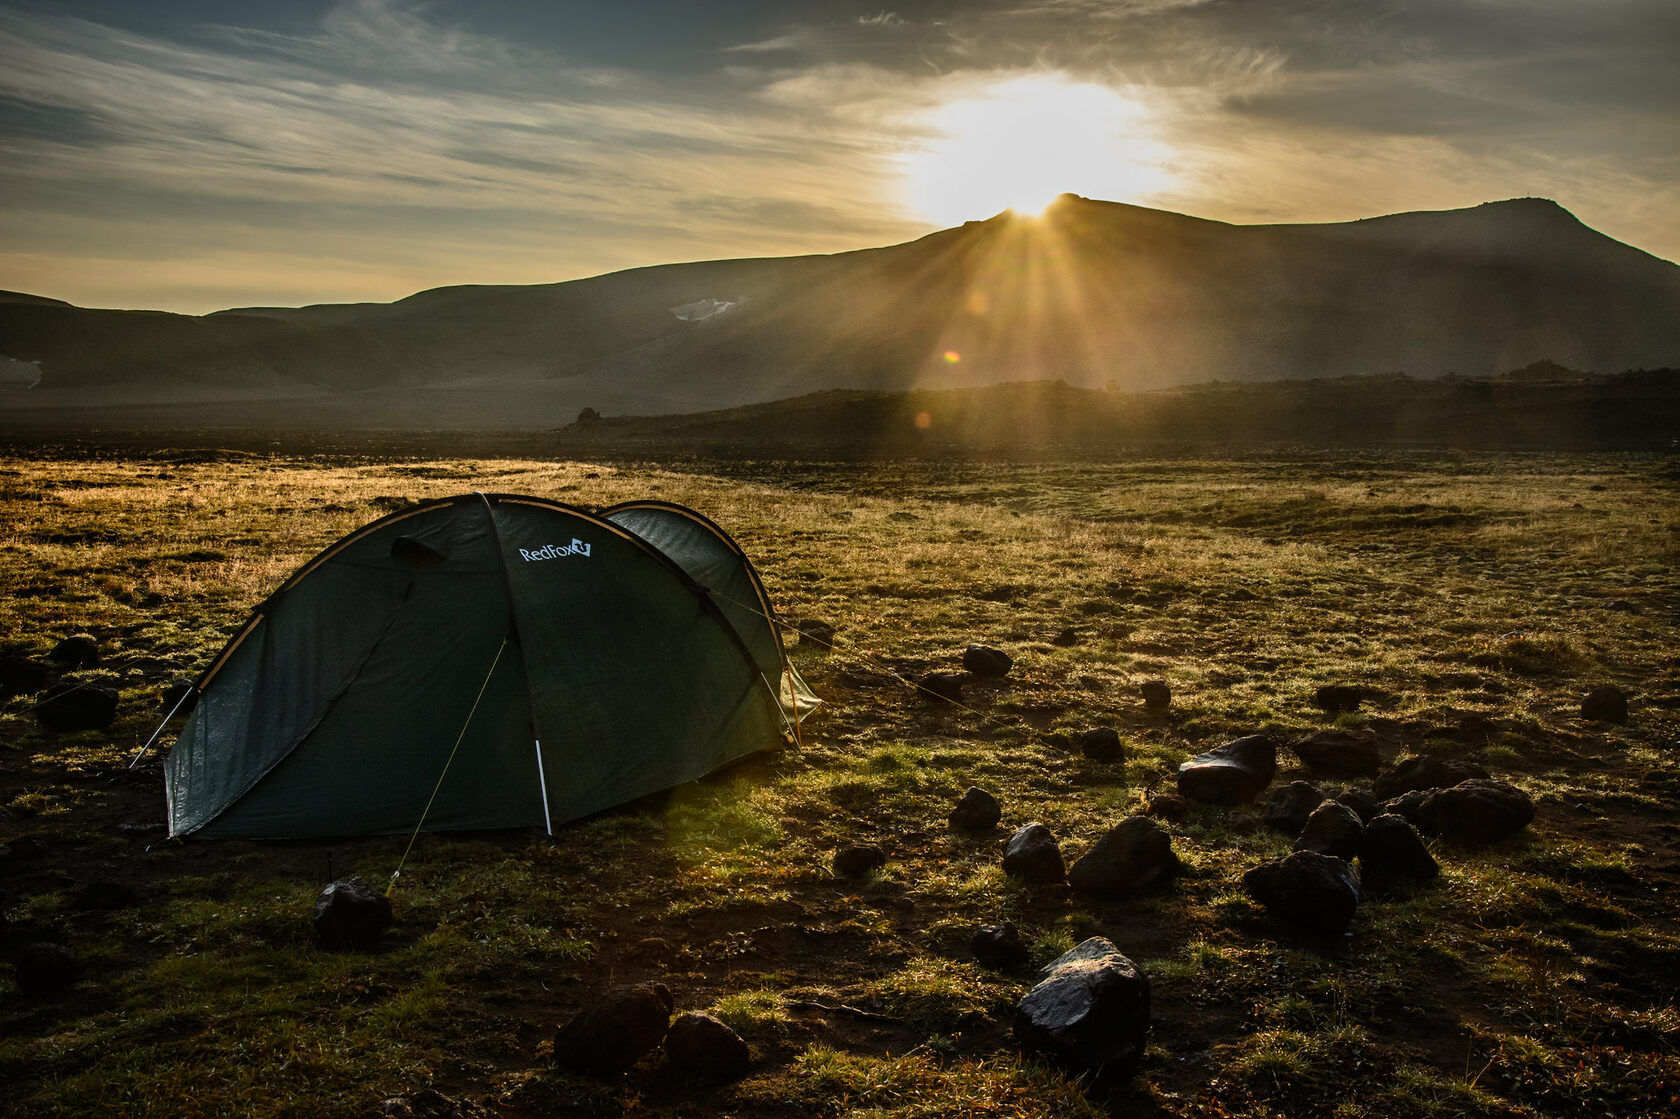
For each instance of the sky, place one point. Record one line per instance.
(190, 155)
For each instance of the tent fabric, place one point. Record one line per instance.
(485, 661)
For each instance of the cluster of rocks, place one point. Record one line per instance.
(624, 1025)
(1317, 886)
(64, 706)
(980, 662)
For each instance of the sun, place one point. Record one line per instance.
(1018, 143)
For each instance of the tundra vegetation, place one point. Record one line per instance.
(1475, 598)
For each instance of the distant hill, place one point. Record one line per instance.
(1542, 406)
(1093, 293)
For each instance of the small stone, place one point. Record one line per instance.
(812, 632)
(1605, 703)
(351, 914)
(999, 947)
(983, 660)
(616, 1031)
(1132, 857)
(1423, 772)
(1168, 806)
(1315, 893)
(858, 860)
(1033, 855)
(942, 687)
(978, 810)
(1234, 773)
(20, 676)
(1339, 752)
(45, 971)
(1332, 829)
(1102, 744)
(700, 1045)
(1289, 806)
(1157, 695)
(77, 651)
(1066, 637)
(179, 697)
(1338, 699)
(1476, 812)
(1392, 848)
(1088, 1013)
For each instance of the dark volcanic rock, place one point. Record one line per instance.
(1102, 744)
(1605, 703)
(69, 707)
(1168, 806)
(999, 946)
(1392, 848)
(700, 1045)
(983, 660)
(179, 697)
(1136, 855)
(1157, 696)
(1406, 805)
(351, 914)
(20, 676)
(1336, 699)
(1065, 637)
(942, 687)
(1341, 753)
(1033, 855)
(858, 860)
(1089, 1012)
(1364, 805)
(1289, 806)
(820, 634)
(1332, 829)
(1424, 772)
(1234, 773)
(77, 651)
(616, 1031)
(45, 971)
(1313, 892)
(1476, 812)
(978, 810)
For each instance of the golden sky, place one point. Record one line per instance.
(192, 155)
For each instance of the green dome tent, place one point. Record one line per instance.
(485, 661)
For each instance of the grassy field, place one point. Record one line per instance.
(1479, 595)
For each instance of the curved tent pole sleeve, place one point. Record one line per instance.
(513, 635)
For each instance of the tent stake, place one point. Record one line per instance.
(542, 783)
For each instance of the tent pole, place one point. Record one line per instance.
(155, 733)
(542, 783)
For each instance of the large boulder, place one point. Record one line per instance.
(350, 913)
(1135, 855)
(1088, 1013)
(983, 660)
(1033, 856)
(615, 1031)
(1421, 771)
(700, 1045)
(1339, 752)
(1288, 807)
(1313, 892)
(45, 971)
(978, 810)
(68, 707)
(1392, 849)
(1605, 703)
(1476, 812)
(1332, 829)
(1234, 773)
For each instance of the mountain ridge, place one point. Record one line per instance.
(1094, 293)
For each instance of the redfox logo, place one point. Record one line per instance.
(555, 551)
